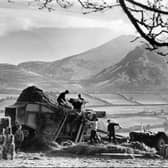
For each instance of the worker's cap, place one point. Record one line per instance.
(17, 124)
(66, 91)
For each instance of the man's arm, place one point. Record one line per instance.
(117, 124)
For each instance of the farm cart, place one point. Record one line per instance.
(40, 118)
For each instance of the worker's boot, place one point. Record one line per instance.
(4, 153)
(12, 151)
(114, 141)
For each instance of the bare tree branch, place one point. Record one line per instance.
(149, 18)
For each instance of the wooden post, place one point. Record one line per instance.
(60, 128)
(79, 133)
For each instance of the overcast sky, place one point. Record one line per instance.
(15, 17)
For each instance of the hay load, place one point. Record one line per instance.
(33, 94)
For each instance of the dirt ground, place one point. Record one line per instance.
(41, 160)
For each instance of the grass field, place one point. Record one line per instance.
(114, 99)
(149, 98)
(131, 116)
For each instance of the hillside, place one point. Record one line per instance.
(86, 64)
(11, 75)
(64, 73)
(12, 78)
(140, 70)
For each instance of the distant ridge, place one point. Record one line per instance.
(140, 70)
(68, 72)
(86, 64)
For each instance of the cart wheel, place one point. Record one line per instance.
(160, 141)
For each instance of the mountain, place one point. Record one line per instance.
(86, 64)
(14, 78)
(11, 75)
(65, 73)
(140, 70)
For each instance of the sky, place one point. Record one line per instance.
(19, 17)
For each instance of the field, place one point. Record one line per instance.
(41, 160)
(130, 110)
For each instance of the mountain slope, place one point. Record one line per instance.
(14, 78)
(139, 70)
(84, 65)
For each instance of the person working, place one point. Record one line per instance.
(93, 133)
(77, 103)
(2, 145)
(111, 130)
(62, 98)
(8, 145)
(80, 97)
(82, 100)
(19, 137)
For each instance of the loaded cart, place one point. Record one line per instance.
(39, 117)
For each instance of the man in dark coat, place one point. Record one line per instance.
(111, 130)
(62, 98)
(19, 137)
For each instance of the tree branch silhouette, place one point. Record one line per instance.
(150, 17)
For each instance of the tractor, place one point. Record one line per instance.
(151, 139)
